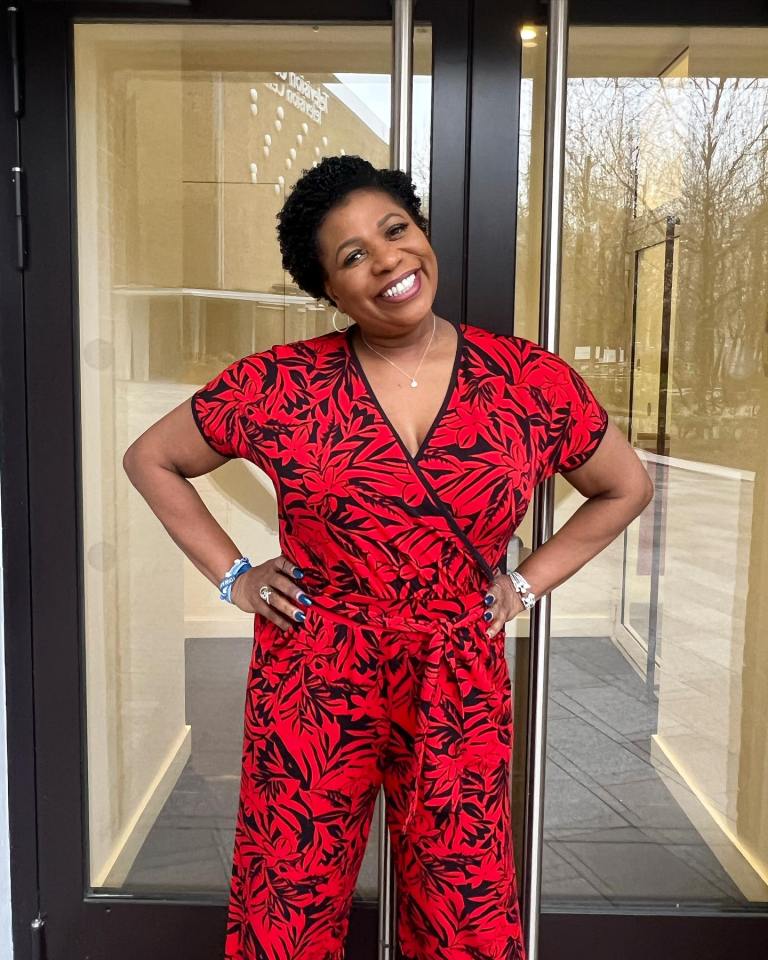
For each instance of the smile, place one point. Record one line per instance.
(404, 289)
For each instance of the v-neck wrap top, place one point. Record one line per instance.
(361, 515)
(386, 539)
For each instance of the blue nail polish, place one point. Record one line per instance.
(298, 573)
(487, 615)
(303, 598)
(489, 599)
(301, 617)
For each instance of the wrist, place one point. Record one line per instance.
(238, 568)
(522, 587)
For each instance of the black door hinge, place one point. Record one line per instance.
(14, 44)
(17, 181)
(38, 938)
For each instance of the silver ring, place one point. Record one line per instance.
(265, 593)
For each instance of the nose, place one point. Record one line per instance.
(385, 258)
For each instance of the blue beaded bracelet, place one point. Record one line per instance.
(225, 587)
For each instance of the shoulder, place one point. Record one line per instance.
(267, 363)
(517, 354)
(544, 376)
(310, 349)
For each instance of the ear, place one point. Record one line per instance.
(329, 291)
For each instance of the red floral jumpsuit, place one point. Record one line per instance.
(391, 680)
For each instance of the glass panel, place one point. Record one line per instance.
(657, 785)
(526, 324)
(188, 136)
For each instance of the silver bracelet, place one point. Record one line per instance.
(522, 587)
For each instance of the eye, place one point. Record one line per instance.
(394, 231)
(348, 261)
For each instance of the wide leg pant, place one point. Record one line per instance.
(334, 709)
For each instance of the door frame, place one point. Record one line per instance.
(636, 934)
(44, 675)
(53, 911)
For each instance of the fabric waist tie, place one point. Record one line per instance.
(440, 621)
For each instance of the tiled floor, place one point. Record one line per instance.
(613, 831)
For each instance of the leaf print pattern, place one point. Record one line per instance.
(391, 680)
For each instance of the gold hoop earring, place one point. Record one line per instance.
(333, 321)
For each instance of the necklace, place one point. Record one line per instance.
(414, 381)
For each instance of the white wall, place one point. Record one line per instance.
(6, 949)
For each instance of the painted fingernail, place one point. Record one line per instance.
(298, 573)
(301, 617)
(487, 615)
(303, 598)
(489, 599)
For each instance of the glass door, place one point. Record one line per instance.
(187, 137)
(655, 829)
(171, 144)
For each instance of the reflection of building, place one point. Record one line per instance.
(222, 284)
(186, 153)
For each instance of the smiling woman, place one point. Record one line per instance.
(395, 515)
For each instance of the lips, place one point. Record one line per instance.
(412, 291)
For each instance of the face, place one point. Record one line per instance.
(367, 245)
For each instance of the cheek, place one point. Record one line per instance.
(431, 261)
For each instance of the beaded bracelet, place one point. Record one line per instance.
(225, 587)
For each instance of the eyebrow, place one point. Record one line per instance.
(380, 223)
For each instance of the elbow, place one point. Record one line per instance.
(649, 491)
(128, 462)
(132, 461)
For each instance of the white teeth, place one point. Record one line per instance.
(398, 288)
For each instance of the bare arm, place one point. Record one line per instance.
(158, 464)
(618, 488)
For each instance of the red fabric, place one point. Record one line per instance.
(391, 679)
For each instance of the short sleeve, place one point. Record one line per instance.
(574, 419)
(230, 409)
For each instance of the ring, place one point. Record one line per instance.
(265, 593)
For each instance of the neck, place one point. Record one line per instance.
(405, 342)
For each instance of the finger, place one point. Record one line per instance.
(281, 612)
(288, 567)
(275, 616)
(288, 597)
(497, 624)
(283, 599)
(249, 600)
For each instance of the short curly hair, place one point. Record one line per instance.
(315, 194)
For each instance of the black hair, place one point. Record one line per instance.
(314, 194)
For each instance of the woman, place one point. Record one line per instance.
(404, 450)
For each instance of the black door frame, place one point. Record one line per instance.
(474, 80)
(42, 490)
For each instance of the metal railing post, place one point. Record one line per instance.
(544, 499)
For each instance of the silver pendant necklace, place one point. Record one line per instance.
(414, 381)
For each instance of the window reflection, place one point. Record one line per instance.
(658, 705)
